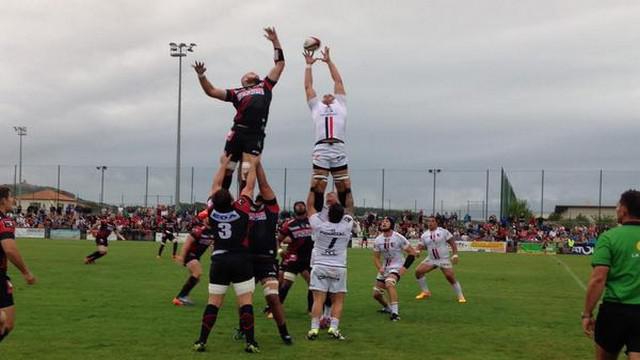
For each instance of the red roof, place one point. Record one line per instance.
(47, 195)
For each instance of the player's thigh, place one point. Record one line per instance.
(10, 316)
(424, 268)
(379, 287)
(103, 248)
(448, 273)
(319, 178)
(340, 176)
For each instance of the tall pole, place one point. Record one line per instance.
(382, 191)
(542, 196)
(600, 198)
(21, 131)
(102, 168)
(15, 179)
(58, 189)
(146, 187)
(486, 198)
(415, 205)
(179, 51)
(435, 173)
(285, 183)
(193, 170)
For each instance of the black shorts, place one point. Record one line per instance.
(239, 142)
(166, 238)
(266, 267)
(6, 291)
(618, 325)
(230, 268)
(102, 241)
(297, 267)
(190, 257)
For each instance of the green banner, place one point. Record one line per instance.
(536, 249)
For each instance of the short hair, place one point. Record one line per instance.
(631, 200)
(4, 192)
(222, 200)
(336, 212)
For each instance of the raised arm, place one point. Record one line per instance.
(278, 55)
(251, 179)
(265, 189)
(208, 88)
(308, 75)
(338, 88)
(219, 176)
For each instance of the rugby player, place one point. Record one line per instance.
(168, 229)
(230, 260)
(102, 229)
(263, 246)
(330, 124)
(329, 264)
(197, 242)
(436, 241)
(388, 257)
(245, 141)
(9, 251)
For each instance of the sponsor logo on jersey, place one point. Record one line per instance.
(225, 217)
(255, 216)
(258, 90)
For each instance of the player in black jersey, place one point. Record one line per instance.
(102, 229)
(245, 141)
(198, 241)
(296, 232)
(230, 261)
(9, 251)
(168, 229)
(263, 247)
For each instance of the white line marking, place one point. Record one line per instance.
(573, 275)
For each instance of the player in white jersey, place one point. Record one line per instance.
(388, 256)
(328, 264)
(330, 124)
(436, 241)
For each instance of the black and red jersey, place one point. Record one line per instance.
(203, 237)
(262, 229)
(252, 106)
(7, 231)
(105, 229)
(299, 231)
(231, 228)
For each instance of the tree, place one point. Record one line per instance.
(519, 208)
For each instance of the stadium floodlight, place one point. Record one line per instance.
(435, 172)
(20, 131)
(179, 51)
(101, 168)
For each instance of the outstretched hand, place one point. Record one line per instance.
(199, 68)
(270, 34)
(308, 57)
(326, 57)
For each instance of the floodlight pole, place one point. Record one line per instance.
(435, 173)
(20, 131)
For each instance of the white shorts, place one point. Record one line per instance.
(328, 279)
(441, 263)
(330, 156)
(387, 273)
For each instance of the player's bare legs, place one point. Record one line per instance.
(195, 271)
(337, 301)
(319, 298)
(318, 186)
(421, 271)
(390, 283)
(378, 294)
(270, 286)
(343, 187)
(7, 320)
(451, 278)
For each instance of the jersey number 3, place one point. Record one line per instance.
(224, 230)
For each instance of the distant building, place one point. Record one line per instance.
(45, 199)
(590, 211)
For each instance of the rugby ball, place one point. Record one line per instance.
(312, 43)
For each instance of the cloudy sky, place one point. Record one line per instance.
(463, 86)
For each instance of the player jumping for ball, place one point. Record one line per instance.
(245, 141)
(436, 241)
(388, 257)
(330, 125)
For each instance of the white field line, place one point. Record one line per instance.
(573, 275)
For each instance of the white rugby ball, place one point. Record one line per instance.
(312, 43)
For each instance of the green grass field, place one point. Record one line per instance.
(519, 307)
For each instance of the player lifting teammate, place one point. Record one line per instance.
(245, 141)
(102, 229)
(329, 264)
(9, 250)
(263, 247)
(197, 242)
(435, 241)
(230, 260)
(388, 249)
(330, 125)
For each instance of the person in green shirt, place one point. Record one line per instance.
(616, 272)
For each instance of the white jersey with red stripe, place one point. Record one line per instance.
(330, 121)
(391, 250)
(436, 243)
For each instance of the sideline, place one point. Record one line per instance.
(573, 275)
